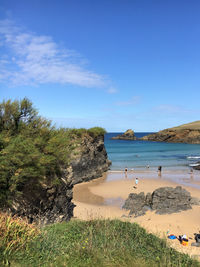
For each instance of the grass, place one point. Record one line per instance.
(195, 125)
(97, 243)
(15, 234)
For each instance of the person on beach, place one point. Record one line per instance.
(191, 174)
(136, 183)
(159, 170)
(125, 170)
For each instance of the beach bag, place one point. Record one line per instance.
(184, 242)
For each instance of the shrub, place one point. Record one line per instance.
(96, 131)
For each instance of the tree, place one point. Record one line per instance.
(32, 151)
(15, 114)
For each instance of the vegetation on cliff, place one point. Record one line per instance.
(195, 125)
(91, 243)
(32, 150)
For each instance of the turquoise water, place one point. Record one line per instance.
(139, 154)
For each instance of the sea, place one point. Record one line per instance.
(138, 155)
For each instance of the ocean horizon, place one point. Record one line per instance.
(138, 155)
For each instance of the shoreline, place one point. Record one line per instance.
(183, 178)
(103, 198)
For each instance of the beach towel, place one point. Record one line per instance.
(172, 237)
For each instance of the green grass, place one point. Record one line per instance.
(98, 243)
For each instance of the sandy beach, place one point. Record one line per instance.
(104, 197)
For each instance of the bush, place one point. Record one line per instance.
(96, 131)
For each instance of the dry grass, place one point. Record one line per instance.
(195, 125)
(15, 233)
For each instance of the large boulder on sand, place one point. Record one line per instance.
(164, 200)
(170, 200)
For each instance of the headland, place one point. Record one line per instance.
(186, 133)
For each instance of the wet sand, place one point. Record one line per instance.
(104, 197)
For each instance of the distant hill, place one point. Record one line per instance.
(185, 133)
(195, 125)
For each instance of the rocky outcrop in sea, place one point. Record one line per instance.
(197, 167)
(53, 203)
(128, 135)
(164, 200)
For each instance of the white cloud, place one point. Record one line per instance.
(132, 101)
(112, 90)
(172, 109)
(34, 59)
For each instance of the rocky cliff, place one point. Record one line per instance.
(49, 203)
(128, 135)
(186, 133)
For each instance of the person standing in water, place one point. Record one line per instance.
(159, 168)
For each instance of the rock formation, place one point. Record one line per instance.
(197, 167)
(164, 200)
(186, 133)
(48, 204)
(128, 135)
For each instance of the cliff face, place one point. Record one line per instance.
(92, 161)
(187, 133)
(48, 204)
(128, 135)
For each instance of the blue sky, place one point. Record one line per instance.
(117, 64)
